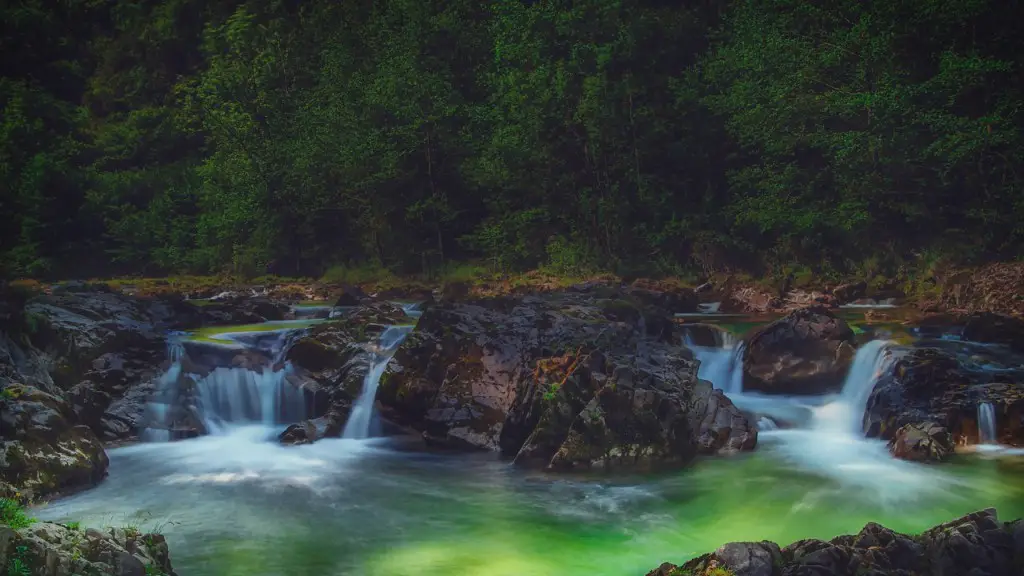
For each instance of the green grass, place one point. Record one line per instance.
(13, 515)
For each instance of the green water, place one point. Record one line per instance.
(236, 505)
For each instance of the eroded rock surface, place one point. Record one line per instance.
(583, 379)
(806, 352)
(974, 545)
(932, 385)
(43, 450)
(48, 549)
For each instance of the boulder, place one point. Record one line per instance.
(927, 442)
(350, 296)
(806, 352)
(329, 425)
(665, 295)
(974, 544)
(846, 293)
(994, 328)
(562, 381)
(240, 309)
(48, 549)
(43, 450)
(931, 385)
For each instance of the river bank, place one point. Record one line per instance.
(595, 428)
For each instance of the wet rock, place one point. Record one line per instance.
(667, 296)
(995, 329)
(564, 381)
(43, 450)
(707, 335)
(927, 442)
(240, 309)
(846, 293)
(49, 549)
(931, 385)
(976, 544)
(806, 352)
(308, 431)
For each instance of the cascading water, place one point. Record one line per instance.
(846, 414)
(721, 365)
(186, 403)
(361, 418)
(986, 423)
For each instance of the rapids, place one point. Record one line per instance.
(238, 503)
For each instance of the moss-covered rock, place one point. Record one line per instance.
(47, 549)
(43, 451)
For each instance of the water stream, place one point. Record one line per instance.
(987, 423)
(238, 504)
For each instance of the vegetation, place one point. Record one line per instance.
(363, 139)
(13, 515)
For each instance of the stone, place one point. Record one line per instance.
(927, 442)
(806, 352)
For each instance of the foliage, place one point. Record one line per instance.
(360, 140)
(13, 515)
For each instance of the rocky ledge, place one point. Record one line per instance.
(974, 545)
(47, 549)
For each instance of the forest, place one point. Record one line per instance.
(632, 136)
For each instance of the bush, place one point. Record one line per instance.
(13, 515)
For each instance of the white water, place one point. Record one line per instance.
(361, 418)
(986, 423)
(825, 437)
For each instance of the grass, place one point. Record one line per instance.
(13, 515)
(208, 334)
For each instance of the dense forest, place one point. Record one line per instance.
(634, 136)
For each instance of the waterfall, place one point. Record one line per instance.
(722, 366)
(846, 413)
(986, 423)
(228, 395)
(359, 421)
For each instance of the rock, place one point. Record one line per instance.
(48, 549)
(846, 293)
(930, 385)
(350, 296)
(707, 335)
(330, 425)
(667, 296)
(43, 451)
(564, 381)
(926, 442)
(995, 329)
(976, 544)
(750, 300)
(806, 352)
(239, 309)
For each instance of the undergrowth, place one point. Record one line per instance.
(13, 515)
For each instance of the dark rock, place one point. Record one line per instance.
(995, 329)
(806, 352)
(976, 544)
(350, 296)
(926, 442)
(930, 385)
(42, 449)
(674, 299)
(845, 293)
(308, 431)
(567, 380)
(707, 335)
(57, 550)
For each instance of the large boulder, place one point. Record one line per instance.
(43, 450)
(933, 386)
(926, 442)
(806, 352)
(563, 381)
(48, 549)
(974, 544)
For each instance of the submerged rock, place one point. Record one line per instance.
(42, 449)
(975, 544)
(48, 549)
(329, 425)
(565, 381)
(931, 385)
(806, 352)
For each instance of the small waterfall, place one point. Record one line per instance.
(846, 414)
(986, 423)
(359, 421)
(226, 395)
(722, 366)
